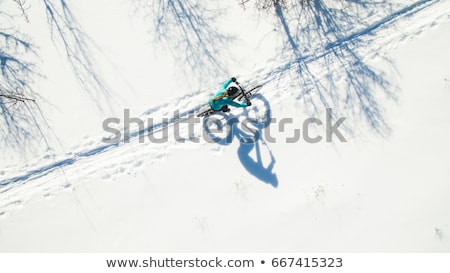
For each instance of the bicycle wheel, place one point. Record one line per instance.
(205, 112)
(250, 91)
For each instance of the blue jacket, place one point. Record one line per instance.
(218, 104)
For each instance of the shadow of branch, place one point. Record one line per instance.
(67, 34)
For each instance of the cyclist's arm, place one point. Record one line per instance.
(225, 85)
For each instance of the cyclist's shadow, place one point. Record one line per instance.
(249, 133)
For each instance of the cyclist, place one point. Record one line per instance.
(223, 98)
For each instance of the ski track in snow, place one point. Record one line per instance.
(96, 159)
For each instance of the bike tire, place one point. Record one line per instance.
(205, 113)
(249, 92)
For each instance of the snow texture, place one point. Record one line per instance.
(382, 66)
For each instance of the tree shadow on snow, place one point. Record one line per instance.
(22, 124)
(78, 48)
(186, 28)
(325, 47)
(254, 153)
(21, 121)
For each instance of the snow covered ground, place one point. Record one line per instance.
(383, 190)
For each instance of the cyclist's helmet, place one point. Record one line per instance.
(231, 91)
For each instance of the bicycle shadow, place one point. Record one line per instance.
(256, 166)
(252, 145)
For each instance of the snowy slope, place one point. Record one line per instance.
(384, 189)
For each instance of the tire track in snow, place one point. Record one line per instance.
(42, 171)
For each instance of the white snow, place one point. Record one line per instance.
(384, 190)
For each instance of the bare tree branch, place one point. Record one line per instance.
(21, 4)
(16, 98)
